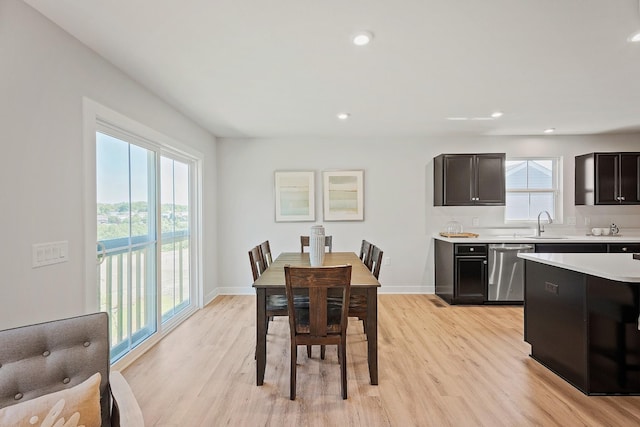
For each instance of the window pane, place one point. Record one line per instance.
(112, 172)
(540, 174)
(127, 274)
(175, 237)
(517, 206)
(541, 202)
(516, 174)
(141, 191)
(530, 174)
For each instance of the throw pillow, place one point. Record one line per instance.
(78, 406)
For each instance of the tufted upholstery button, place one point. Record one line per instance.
(18, 396)
(66, 380)
(86, 344)
(46, 353)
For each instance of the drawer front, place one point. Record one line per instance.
(464, 249)
(624, 247)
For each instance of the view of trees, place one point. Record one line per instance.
(114, 219)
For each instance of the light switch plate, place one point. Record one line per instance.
(49, 253)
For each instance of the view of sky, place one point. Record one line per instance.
(116, 159)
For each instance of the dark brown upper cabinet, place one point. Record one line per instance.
(469, 179)
(608, 179)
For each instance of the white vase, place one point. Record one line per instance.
(316, 246)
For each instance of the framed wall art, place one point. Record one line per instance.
(295, 196)
(343, 195)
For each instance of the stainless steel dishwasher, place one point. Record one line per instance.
(506, 272)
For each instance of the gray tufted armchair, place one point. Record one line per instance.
(39, 359)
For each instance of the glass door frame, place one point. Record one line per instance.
(95, 118)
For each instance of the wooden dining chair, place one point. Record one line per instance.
(365, 251)
(318, 322)
(375, 261)
(304, 243)
(265, 248)
(257, 263)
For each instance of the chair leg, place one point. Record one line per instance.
(309, 351)
(364, 324)
(322, 351)
(292, 379)
(269, 319)
(343, 367)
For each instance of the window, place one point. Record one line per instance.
(532, 186)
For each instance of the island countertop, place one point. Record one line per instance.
(612, 266)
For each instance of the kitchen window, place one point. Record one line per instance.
(532, 186)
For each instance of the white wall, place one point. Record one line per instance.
(44, 75)
(399, 212)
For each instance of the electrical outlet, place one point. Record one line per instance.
(587, 220)
(571, 220)
(475, 221)
(387, 260)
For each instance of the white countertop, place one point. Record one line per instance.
(516, 237)
(618, 267)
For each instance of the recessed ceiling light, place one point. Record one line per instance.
(457, 118)
(497, 114)
(343, 116)
(550, 130)
(362, 38)
(481, 118)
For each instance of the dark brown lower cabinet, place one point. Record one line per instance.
(584, 328)
(470, 279)
(461, 272)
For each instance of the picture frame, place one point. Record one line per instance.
(343, 195)
(294, 196)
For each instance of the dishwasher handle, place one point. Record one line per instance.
(512, 249)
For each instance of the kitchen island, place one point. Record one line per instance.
(581, 317)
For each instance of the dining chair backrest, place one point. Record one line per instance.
(328, 242)
(316, 321)
(375, 261)
(365, 251)
(257, 263)
(265, 248)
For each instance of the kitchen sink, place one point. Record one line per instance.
(548, 237)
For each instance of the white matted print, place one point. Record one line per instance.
(343, 195)
(295, 196)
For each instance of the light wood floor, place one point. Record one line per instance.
(439, 366)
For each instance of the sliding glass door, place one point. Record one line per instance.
(144, 219)
(175, 295)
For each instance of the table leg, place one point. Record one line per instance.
(372, 334)
(261, 334)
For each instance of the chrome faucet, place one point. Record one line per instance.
(540, 229)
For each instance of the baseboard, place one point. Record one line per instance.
(230, 290)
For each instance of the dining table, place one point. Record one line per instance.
(364, 288)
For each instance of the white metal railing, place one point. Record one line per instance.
(128, 287)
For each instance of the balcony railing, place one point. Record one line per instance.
(128, 286)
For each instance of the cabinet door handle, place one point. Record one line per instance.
(621, 198)
(624, 249)
(484, 262)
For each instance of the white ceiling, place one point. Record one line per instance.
(280, 68)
